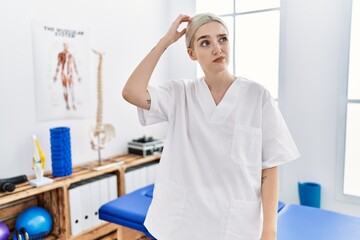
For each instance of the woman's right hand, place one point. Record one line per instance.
(173, 34)
(135, 89)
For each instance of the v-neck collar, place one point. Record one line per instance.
(218, 113)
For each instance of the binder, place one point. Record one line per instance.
(136, 179)
(75, 210)
(129, 181)
(86, 211)
(95, 201)
(104, 191)
(113, 187)
(151, 173)
(140, 176)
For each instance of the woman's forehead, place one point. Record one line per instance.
(213, 28)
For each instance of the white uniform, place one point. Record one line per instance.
(208, 183)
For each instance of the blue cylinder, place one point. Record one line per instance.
(60, 141)
(310, 194)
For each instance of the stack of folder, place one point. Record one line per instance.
(86, 197)
(140, 176)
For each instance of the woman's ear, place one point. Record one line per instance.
(191, 54)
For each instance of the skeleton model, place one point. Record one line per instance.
(102, 133)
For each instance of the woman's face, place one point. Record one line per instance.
(211, 47)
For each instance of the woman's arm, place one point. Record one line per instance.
(135, 89)
(270, 198)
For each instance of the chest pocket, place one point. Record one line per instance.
(246, 146)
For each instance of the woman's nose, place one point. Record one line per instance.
(216, 49)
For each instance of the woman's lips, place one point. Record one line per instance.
(219, 59)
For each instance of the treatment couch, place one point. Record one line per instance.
(295, 222)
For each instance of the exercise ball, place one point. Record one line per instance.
(37, 222)
(4, 231)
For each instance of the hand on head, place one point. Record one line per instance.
(173, 33)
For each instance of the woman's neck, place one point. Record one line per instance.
(219, 81)
(219, 84)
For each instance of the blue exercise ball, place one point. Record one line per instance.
(37, 222)
(4, 231)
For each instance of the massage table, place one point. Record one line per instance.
(129, 210)
(295, 222)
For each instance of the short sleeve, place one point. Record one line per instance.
(278, 144)
(162, 98)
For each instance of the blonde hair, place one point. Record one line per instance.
(196, 22)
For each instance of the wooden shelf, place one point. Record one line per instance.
(55, 197)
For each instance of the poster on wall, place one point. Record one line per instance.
(61, 55)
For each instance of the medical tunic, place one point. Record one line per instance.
(208, 183)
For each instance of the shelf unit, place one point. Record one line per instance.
(55, 198)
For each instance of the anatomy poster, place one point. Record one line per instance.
(61, 56)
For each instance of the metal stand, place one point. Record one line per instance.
(100, 166)
(99, 151)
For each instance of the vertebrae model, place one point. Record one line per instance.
(102, 133)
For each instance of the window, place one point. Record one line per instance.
(254, 35)
(351, 169)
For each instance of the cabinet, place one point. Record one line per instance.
(55, 198)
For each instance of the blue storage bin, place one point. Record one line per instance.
(310, 194)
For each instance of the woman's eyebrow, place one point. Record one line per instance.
(202, 37)
(222, 35)
(207, 36)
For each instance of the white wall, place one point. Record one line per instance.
(313, 66)
(124, 30)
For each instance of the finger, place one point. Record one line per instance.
(182, 32)
(186, 19)
(182, 18)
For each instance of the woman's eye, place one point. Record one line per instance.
(204, 43)
(223, 39)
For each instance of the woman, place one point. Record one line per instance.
(218, 176)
